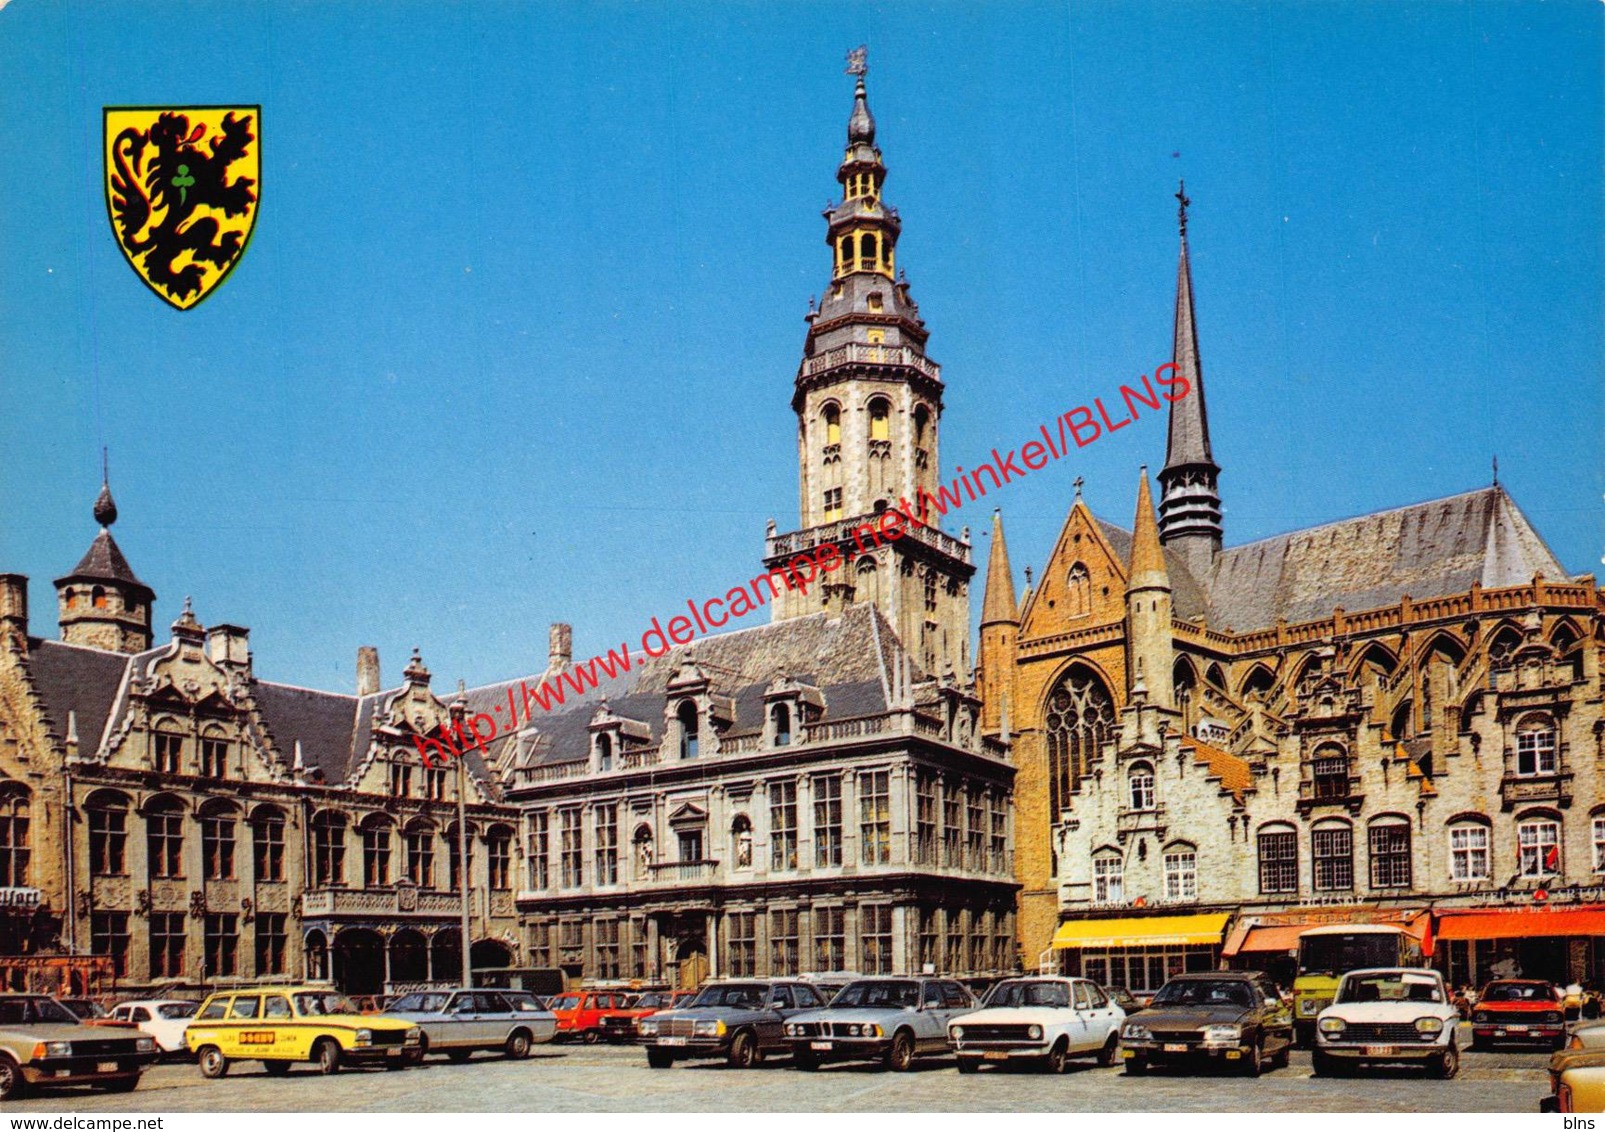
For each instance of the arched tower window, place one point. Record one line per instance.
(1078, 584)
(686, 714)
(868, 588)
(880, 420)
(780, 715)
(1081, 717)
(849, 252)
(922, 417)
(833, 425)
(869, 245)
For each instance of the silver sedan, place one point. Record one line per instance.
(457, 1023)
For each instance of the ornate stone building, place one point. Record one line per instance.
(1395, 717)
(168, 811)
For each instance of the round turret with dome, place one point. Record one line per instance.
(102, 603)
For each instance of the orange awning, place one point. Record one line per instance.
(1282, 937)
(1521, 924)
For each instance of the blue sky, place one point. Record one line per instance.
(515, 336)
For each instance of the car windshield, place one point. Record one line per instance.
(420, 1003)
(878, 994)
(749, 996)
(1347, 951)
(1390, 986)
(313, 1005)
(1518, 992)
(25, 1011)
(177, 1009)
(1030, 992)
(1204, 992)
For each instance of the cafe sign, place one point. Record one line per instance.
(25, 899)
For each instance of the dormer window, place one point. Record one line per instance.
(604, 752)
(780, 717)
(686, 714)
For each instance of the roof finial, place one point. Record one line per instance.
(861, 126)
(858, 60)
(105, 510)
(1183, 200)
(1496, 471)
(1076, 483)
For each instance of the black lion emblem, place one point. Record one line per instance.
(180, 176)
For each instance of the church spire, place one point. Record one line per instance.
(997, 603)
(1148, 606)
(1189, 505)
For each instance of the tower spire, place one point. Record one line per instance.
(1189, 505)
(997, 603)
(1148, 606)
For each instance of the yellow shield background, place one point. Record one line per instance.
(182, 188)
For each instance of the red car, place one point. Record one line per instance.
(582, 1014)
(623, 1026)
(1525, 1011)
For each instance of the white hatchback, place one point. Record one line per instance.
(162, 1018)
(1042, 1021)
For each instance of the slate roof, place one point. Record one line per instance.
(322, 722)
(104, 560)
(845, 657)
(77, 680)
(1426, 550)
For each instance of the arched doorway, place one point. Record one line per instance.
(488, 953)
(409, 957)
(446, 951)
(316, 948)
(359, 961)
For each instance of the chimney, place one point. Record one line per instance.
(561, 653)
(367, 670)
(227, 646)
(14, 609)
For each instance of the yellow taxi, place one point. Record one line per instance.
(282, 1025)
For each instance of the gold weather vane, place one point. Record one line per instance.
(858, 60)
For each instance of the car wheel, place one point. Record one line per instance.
(900, 1055)
(1323, 1065)
(805, 1061)
(1254, 1059)
(743, 1051)
(276, 1068)
(1136, 1067)
(1448, 1063)
(120, 1084)
(659, 1059)
(423, 1046)
(326, 1052)
(213, 1064)
(1110, 1050)
(969, 1064)
(12, 1085)
(517, 1046)
(1054, 1062)
(591, 1037)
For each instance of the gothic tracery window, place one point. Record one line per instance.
(1079, 585)
(1081, 717)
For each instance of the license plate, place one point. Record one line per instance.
(106, 1067)
(819, 1045)
(1380, 1051)
(994, 1055)
(1517, 1029)
(671, 1041)
(1175, 1047)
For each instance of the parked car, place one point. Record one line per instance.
(1525, 1011)
(42, 1043)
(162, 1018)
(1228, 1017)
(625, 1026)
(580, 1014)
(1577, 1073)
(829, 984)
(1388, 1014)
(89, 1012)
(890, 1020)
(738, 1021)
(456, 1023)
(1039, 1021)
(279, 1026)
(1124, 999)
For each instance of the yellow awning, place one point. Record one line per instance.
(1143, 931)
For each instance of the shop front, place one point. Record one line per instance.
(1139, 952)
(1562, 945)
(1269, 941)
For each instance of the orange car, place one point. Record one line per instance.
(1518, 1011)
(581, 1014)
(624, 1026)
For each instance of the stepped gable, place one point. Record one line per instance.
(1234, 773)
(839, 655)
(1425, 550)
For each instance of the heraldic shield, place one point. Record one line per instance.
(182, 185)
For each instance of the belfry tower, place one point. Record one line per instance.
(869, 406)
